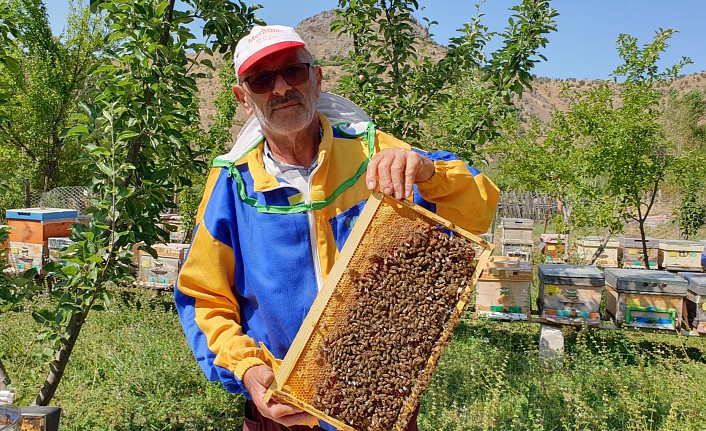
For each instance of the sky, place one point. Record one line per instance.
(583, 47)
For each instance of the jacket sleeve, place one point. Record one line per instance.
(456, 192)
(205, 297)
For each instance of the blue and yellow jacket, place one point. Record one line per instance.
(255, 266)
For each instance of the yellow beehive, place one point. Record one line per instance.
(678, 255)
(587, 246)
(380, 231)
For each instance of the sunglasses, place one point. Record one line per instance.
(264, 82)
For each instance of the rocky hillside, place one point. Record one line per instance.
(328, 48)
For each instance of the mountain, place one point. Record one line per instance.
(328, 48)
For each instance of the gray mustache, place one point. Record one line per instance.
(290, 96)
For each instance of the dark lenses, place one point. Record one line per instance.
(264, 82)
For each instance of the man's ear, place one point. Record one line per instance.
(239, 93)
(319, 75)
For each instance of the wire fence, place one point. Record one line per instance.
(75, 197)
(529, 205)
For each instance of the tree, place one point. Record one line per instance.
(607, 155)
(141, 144)
(218, 137)
(391, 75)
(8, 32)
(681, 122)
(44, 95)
(630, 150)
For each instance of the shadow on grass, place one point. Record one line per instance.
(634, 347)
(138, 297)
(631, 347)
(210, 417)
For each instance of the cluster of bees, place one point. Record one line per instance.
(371, 362)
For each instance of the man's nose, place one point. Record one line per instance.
(281, 86)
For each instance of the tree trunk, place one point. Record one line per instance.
(28, 195)
(641, 223)
(57, 368)
(4, 379)
(601, 247)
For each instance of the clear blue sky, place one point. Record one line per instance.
(582, 47)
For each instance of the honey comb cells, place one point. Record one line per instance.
(402, 304)
(372, 338)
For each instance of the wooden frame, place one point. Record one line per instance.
(328, 298)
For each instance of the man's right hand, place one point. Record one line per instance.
(256, 380)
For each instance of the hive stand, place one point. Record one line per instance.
(551, 344)
(551, 340)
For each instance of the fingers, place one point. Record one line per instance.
(257, 379)
(397, 170)
(278, 410)
(285, 414)
(410, 173)
(295, 418)
(371, 175)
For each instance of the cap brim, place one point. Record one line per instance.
(259, 55)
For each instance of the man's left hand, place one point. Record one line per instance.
(398, 169)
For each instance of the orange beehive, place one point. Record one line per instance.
(37, 232)
(37, 225)
(553, 247)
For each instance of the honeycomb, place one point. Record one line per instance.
(384, 224)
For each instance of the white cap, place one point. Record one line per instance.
(263, 41)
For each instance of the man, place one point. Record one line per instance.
(278, 208)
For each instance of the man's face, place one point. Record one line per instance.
(286, 109)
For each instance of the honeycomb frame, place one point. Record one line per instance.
(381, 223)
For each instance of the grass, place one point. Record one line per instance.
(132, 370)
(492, 378)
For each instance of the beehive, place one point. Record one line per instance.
(517, 230)
(37, 225)
(631, 254)
(26, 255)
(386, 231)
(570, 294)
(174, 224)
(160, 273)
(503, 289)
(587, 246)
(695, 301)
(40, 418)
(553, 247)
(676, 255)
(644, 298)
(523, 250)
(55, 246)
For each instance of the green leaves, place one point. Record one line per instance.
(138, 132)
(605, 157)
(458, 103)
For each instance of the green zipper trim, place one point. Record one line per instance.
(302, 206)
